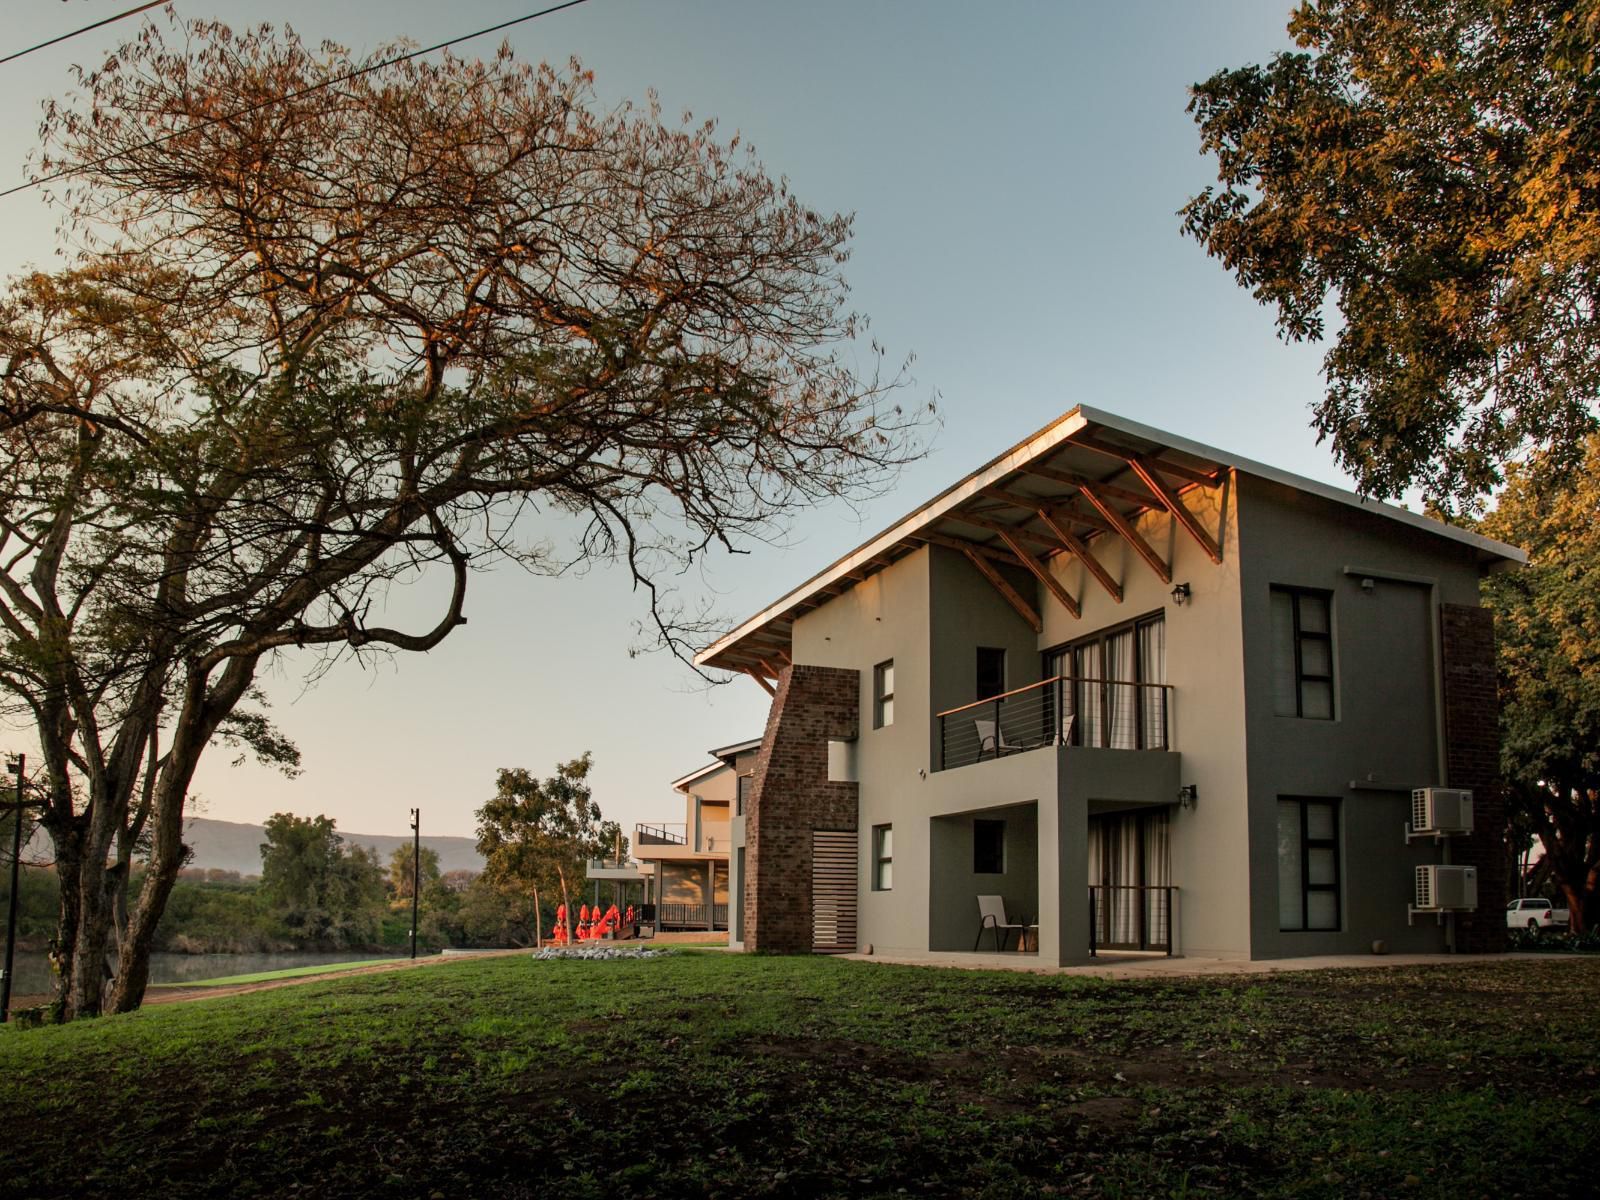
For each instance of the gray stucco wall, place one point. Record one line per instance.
(952, 899)
(1385, 737)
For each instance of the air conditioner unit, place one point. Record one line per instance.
(1441, 888)
(1441, 810)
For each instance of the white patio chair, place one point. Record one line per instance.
(992, 915)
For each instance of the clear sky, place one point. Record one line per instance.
(1015, 170)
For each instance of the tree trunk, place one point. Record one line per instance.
(69, 873)
(566, 904)
(538, 922)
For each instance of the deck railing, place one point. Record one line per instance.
(660, 835)
(691, 916)
(1128, 917)
(1061, 711)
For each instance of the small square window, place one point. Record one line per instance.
(988, 847)
(882, 858)
(883, 694)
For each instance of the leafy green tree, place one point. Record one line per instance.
(401, 876)
(1546, 618)
(537, 835)
(276, 379)
(1428, 168)
(321, 889)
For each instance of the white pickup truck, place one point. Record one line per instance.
(1535, 913)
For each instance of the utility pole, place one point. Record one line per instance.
(19, 765)
(416, 872)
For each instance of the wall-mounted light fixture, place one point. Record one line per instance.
(1188, 795)
(1181, 594)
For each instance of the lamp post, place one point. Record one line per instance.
(19, 765)
(416, 872)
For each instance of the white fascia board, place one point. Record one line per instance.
(697, 774)
(1300, 483)
(952, 497)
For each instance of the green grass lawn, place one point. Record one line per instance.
(286, 973)
(708, 1074)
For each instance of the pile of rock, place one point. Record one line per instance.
(598, 950)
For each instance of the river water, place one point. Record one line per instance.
(33, 968)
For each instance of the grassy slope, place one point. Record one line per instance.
(285, 973)
(712, 1074)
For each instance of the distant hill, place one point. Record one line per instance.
(234, 846)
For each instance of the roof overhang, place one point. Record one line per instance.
(1086, 475)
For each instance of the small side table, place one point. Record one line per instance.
(1028, 940)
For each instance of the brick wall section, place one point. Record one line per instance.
(790, 796)
(1472, 760)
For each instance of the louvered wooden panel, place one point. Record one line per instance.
(833, 892)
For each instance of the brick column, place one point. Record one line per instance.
(1472, 760)
(790, 797)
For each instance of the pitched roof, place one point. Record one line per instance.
(1117, 467)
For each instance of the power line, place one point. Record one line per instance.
(306, 91)
(132, 12)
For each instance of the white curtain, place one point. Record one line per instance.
(1087, 671)
(1153, 669)
(1120, 700)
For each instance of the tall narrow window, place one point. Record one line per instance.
(991, 672)
(988, 847)
(1302, 654)
(883, 694)
(743, 793)
(1308, 864)
(882, 858)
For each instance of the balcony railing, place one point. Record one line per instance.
(692, 916)
(660, 835)
(1126, 917)
(1060, 711)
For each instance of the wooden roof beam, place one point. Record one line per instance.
(1127, 454)
(1026, 535)
(1012, 596)
(939, 539)
(1106, 489)
(1043, 575)
(1081, 553)
(1147, 470)
(1129, 534)
(756, 675)
(1036, 504)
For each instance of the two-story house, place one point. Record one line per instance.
(1150, 693)
(687, 862)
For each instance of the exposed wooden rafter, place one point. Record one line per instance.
(1106, 489)
(993, 526)
(1013, 597)
(1147, 470)
(962, 545)
(1082, 554)
(1062, 512)
(1129, 534)
(759, 678)
(1127, 454)
(1043, 575)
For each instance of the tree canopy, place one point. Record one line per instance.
(1430, 169)
(536, 835)
(330, 331)
(1545, 621)
(319, 887)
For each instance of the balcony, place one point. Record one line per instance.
(668, 834)
(1061, 711)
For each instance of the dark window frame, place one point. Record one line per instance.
(1301, 677)
(979, 860)
(879, 858)
(1307, 844)
(880, 696)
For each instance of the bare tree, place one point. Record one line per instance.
(329, 332)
